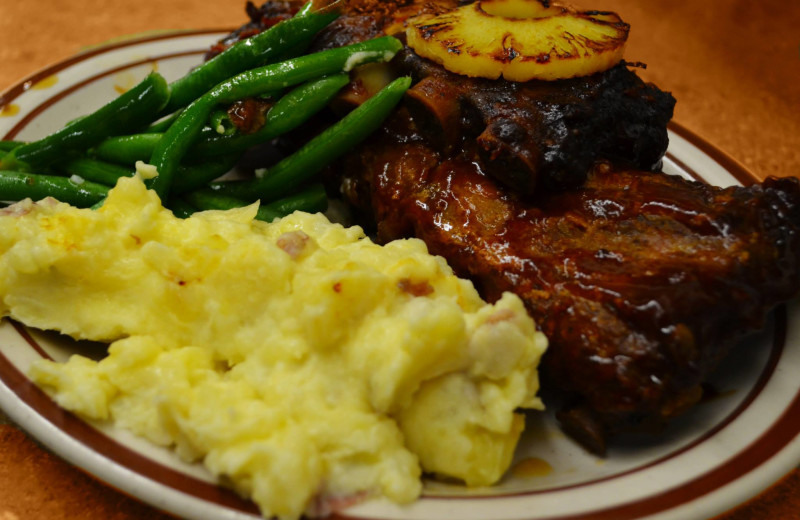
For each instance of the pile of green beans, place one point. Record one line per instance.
(184, 132)
(183, 128)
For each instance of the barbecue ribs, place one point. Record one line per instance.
(641, 281)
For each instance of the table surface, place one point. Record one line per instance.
(733, 65)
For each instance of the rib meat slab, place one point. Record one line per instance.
(642, 281)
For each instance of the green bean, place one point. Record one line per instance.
(204, 199)
(18, 186)
(126, 149)
(73, 121)
(126, 113)
(293, 35)
(162, 125)
(7, 146)
(313, 199)
(184, 132)
(180, 208)
(191, 177)
(97, 171)
(305, 10)
(289, 112)
(321, 150)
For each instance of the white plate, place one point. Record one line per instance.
(724, 451)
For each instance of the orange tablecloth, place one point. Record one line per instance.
(733, 65)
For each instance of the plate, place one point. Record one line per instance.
(725, 450)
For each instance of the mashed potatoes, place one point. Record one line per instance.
(298, 361)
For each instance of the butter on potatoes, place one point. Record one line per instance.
(297, 360)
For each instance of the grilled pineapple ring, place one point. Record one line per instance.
(520, 40)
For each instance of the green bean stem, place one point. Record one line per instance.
(18, 186)
(294, 34)
(305, 10)
(128, 112)
(313, 199)
(321, 150)
(184, 131)
(221, 122)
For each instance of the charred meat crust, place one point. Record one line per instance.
(540, 132)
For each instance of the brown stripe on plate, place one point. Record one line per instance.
(23, 332)
(768, 445)
(16, 90)
(686, 168)
(734, 167)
